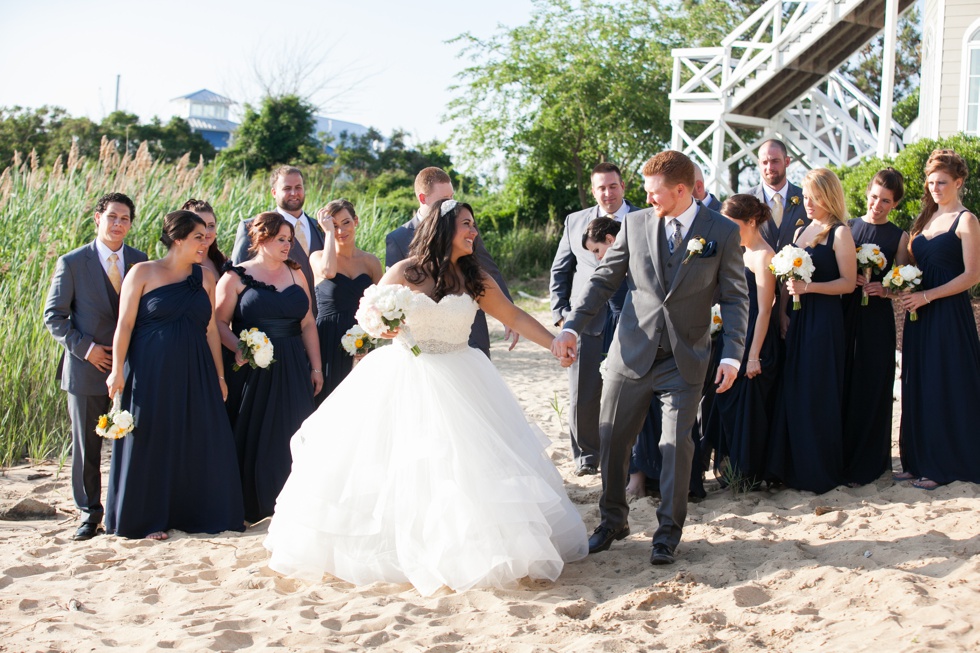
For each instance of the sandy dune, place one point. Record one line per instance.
(883, 567)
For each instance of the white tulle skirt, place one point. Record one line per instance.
(423, 470)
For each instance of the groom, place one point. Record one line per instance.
(662, 348)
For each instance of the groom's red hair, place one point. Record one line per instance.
(675, 167)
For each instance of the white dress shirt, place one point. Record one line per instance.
(769, 194)
(104, 254)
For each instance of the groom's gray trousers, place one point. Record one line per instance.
(624, 402)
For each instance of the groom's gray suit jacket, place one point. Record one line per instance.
(669, 298)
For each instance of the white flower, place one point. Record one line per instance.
(869, 256)
(123, 420)
(909, 272)
(695, 246)
(792, 263)
(716, 322)
(262, 356)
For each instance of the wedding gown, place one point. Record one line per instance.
(424, 470)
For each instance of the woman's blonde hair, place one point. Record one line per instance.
(823, 187)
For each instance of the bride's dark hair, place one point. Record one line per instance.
(431, 252)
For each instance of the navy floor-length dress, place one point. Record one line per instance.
(177, 470)
(806, 451)
(869, 365)
(738, 424)
(336, 300)
(940, 437)
(274, 400)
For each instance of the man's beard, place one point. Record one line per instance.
(291, 205)
(775, 182)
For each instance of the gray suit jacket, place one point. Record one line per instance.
(712, 202)
(794, 217)
(397, 247)
(572, 268)
(657, 306)
(240, 251)
(82, 307)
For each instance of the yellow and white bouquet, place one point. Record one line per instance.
(903, 277)
(869, 256)
(792, 262)
(117, 423)
(382, 308)
(357, 342)
(716, 322)
(256, 348)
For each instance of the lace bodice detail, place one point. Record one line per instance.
(440, 327)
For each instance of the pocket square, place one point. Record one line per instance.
(710, 249)
(799, 223)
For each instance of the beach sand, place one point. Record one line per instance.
(881, 567)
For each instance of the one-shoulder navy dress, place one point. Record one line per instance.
(940, 437)
(275, 400)
(336, 300)
(177, 470)
(806, 451)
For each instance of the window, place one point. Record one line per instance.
(971, 88)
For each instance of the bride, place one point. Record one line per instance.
(424, 469)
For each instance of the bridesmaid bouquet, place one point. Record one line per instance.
(382, 308)
(357, 342)
(903, 277)
(792, 262)
(869, 256)
(256, 349)
(118, 423)
(716, 322)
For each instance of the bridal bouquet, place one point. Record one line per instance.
(118, 423)
(256, 348)
(357, 342)
(903, 277)
(869, 256)
(382, 308)
(792, 263)
(716, 322)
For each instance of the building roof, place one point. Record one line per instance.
(204, 96)
(211, 124)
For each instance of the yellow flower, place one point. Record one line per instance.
(716, 319)
(103, 421)
(358, 343)
(797, 262)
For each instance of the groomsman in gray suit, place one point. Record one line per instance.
(431, 185)
(785, 199)
(81, 312)
(290, 194)
(701, 194)
(675, 256)
(570, 274)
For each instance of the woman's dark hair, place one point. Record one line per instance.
(334, 207)
(178, 225)
(598, 229)
(431, 252)
(743, 207)
(266, 226)
(200, 206)
(889, 179)
(953, 165)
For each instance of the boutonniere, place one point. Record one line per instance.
(695, 247)
(799, 223)
(129, 266)
(795, 200)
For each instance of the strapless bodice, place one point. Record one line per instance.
(440, 327)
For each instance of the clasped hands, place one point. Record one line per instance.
(564, 348)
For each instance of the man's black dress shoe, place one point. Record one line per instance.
(661, 555)
(603, 537)
(586, 470)
(86, 532)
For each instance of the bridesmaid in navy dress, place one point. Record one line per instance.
(808, 427)
(341, 273)
(869, 336)
(940, 440)
(738, 425)
(177, 470)
(269, 293)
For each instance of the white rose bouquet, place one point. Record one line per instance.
(792, 262)
(382, 308)
(903, 277)
(118, 423)
(357, 342)
(716, 322)
(256, 348)
(869, 256)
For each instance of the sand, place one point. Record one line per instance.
(882, 567)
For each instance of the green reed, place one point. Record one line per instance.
(46, 213)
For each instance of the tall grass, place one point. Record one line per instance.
(46, 213)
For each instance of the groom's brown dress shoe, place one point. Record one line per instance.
(603, 537)
(86, 532)
(661, 555)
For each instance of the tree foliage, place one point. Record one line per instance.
(280, 131)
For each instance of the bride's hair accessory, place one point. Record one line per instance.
(447, 206)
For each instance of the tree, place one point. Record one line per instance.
(281, 131)
(583, 82)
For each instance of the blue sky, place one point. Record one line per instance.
(68, 53)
